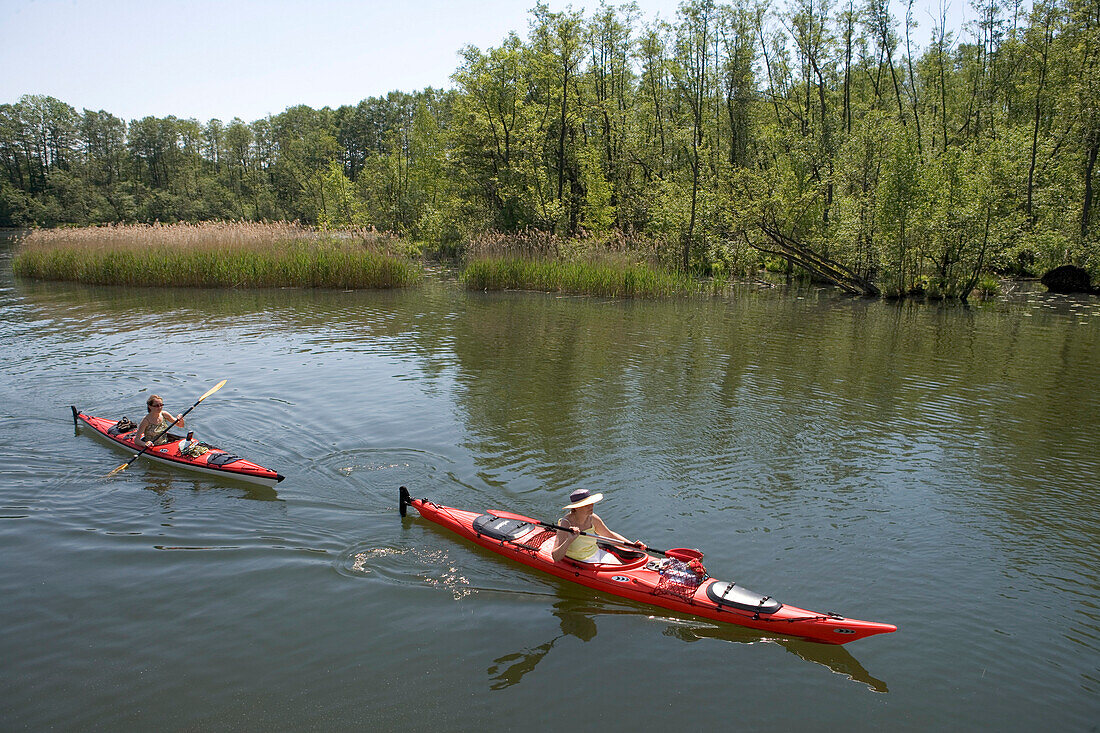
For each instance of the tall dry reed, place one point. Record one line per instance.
(216, 254)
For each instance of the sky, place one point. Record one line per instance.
(222, 59)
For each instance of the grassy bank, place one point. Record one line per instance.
(216, 254)
(613, 279)
(619, 268)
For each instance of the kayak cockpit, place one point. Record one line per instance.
(629, 559)
(514, 529)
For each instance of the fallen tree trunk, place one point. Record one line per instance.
(823, 267)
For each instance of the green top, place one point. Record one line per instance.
(154, 430)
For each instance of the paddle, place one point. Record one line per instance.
(600, 538)
(156, 437)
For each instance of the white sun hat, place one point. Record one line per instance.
(582, 497)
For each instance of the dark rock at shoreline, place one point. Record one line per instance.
(1068, 279)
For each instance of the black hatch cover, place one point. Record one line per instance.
(500, 528)
(731, 594)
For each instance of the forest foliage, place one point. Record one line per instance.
(887, 155)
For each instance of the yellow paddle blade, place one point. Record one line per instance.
(119, 469)
(212, 390)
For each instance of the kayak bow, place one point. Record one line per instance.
(215, 461)
(643, 578)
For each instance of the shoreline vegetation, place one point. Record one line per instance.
(845, 143)
(288, 254)
(617, 267)
(608, 279)
(216, 254)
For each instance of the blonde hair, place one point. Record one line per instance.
(154, 398)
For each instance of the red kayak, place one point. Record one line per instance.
(215, 461)
(677, 583)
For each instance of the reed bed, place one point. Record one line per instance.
(216, 254)
(603, 278)
(619, 267)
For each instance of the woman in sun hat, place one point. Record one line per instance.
(581, 518)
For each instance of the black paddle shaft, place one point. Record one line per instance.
(598, 537)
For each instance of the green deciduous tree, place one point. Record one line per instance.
(815, 131)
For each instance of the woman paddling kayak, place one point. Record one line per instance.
(154, 426)
(568, 542)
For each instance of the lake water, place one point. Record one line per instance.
(929, 465)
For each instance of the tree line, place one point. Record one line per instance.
(826, 134)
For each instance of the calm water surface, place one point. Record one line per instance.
(931, 466)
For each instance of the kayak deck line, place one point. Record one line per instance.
(214, 462)
(642, 578)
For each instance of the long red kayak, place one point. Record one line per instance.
(215, 461)
(666, 583)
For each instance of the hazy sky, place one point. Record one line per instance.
(251, 58)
